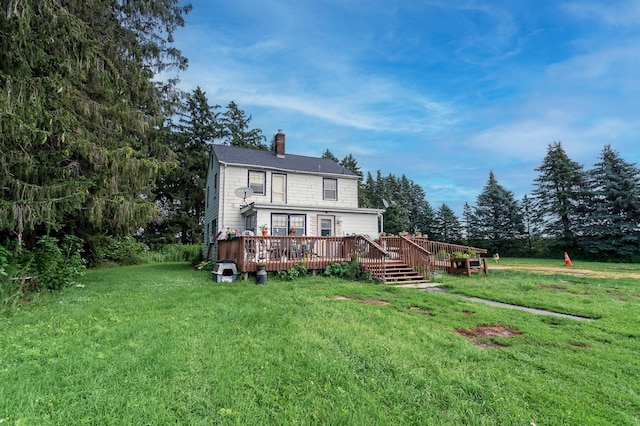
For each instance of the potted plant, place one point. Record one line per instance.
(265, 230)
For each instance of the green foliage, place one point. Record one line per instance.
(559, 189)
(4, 261)
(298, 270)
(80, 102)
(121, 251)
(352, 271)
(496, 220)
(176, 253)
(57, 265)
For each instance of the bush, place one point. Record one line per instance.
(296, 271)
(121, 251)
(347, 270)
(176, 253)
(57, 265)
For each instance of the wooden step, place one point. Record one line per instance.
(396, 272)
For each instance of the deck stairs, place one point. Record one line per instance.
(396, 272)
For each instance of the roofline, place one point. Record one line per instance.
(279, 169)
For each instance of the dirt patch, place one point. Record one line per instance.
(579, 344)
(467, 313)
(479, 334)
(553, 287)
(374, 302)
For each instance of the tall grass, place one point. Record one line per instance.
(163, 343)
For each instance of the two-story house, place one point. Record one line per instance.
(314, 196)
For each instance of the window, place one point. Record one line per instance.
(251, 223)
(330, 189)
(325, 224)
(257, 182)
(278, 188)
(281, 223)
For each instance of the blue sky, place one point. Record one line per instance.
(441, 91)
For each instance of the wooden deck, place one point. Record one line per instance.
(386, 259)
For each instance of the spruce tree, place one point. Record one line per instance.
(180, 194)
(236, 132)
(611, 225)
(559, 190)
(446, 227)
(497, 216)
(79, 108)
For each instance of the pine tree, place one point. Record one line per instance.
(611, 226)
(180, 194)
(235, 125)
(329, 156)
(78, 146)
(559, 190)
(447, 227)
(497, 216)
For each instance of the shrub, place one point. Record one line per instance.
(122, 251)
(176, 253)
(296, 271)
(347, 270)
(57, 265)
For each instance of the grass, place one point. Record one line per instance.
(162, 343)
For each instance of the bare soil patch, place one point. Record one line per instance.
(479, 334)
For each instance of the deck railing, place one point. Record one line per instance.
(410, 253)
(281, 253)
(443, 252)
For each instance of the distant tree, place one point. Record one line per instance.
(350, 163)
(236, 132)
(447, 227)
(611, 225)
(468, 224)
(497, 218)
(80, 108)
(329, 156)
(559, 190)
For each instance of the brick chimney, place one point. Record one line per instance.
(279, 145)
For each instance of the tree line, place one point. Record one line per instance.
(93, 144)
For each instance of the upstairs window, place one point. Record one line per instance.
(278, 188)
(330, 189)
(257, 182)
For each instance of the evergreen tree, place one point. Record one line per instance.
(180, 194)
(350, 163)
(558, 193)
(611, 226)
(497, 216)
(235, 125)
(78, 149)
(447, 227)
(329, 155)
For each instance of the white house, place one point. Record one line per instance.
(316, 196)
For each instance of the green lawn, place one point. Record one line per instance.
(163, 344)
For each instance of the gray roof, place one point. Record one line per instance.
(268, 159)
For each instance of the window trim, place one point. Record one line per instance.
(273, 187)
(264, 181)
(325, 189)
